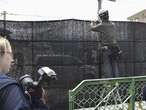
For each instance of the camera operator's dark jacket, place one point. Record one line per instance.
(11, 95)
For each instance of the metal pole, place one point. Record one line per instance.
(71, 100)
(99, 4)
(100, 55)
(4, 23)
(32, 47)
(132, 93)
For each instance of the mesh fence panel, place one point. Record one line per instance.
(112, 94)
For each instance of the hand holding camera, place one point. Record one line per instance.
(34, 90)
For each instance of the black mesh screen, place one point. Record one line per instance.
(71, 49)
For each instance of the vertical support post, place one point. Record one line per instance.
(132, 93)
(71, 99)
(32, 47)
(99, 4)
(4, 23)
(100, 56)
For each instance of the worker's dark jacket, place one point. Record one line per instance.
(11, 95)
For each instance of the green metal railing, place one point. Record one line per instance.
(108, 94)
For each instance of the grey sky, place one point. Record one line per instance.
(65, 9)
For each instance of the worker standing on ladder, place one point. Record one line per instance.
(110, 50)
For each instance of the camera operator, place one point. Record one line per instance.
(35, 89)
(11, 95)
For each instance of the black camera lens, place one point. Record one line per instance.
(26, 80)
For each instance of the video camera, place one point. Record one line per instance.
(35, 88)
